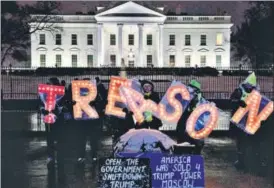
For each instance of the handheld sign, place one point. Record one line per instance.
(174, 103)
(116, 102)
(258, 109)
(83, 92)
(124, 173)
(202, 120)
(50, 95)
(174, 171)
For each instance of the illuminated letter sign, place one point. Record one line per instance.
(259, 109)
(197, 118)
(50, 94)
(137, 104)
(82, 102)
(174, 102)
(114, 96)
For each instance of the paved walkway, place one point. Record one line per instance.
(23, 165)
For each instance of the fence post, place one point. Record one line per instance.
(10, 81)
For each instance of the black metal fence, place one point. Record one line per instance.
(216, 84)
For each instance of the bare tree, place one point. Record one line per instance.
(18, 23)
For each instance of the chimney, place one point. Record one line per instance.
(100, 8)
(84, 8)
(161, 8)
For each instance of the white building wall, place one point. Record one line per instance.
(179, 50)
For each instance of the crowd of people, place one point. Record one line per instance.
(91, 129)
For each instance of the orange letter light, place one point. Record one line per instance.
(52, 91)
(114, 96)
(82, 102)
(177, 105)
(132, 97)
(210, 124)
(254, 119)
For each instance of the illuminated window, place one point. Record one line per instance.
(74, 60)
(58, 39)
(112, 40)
(218, 61)
(187, 61)
(149, 61)
(203, 40)
(89, 39)
(131, 40)
(73, 39)
(90, 60)
(42, 38)
(203, 60)
(219, 39)
(149, 40)
(172, 40)
(187, 40)
(42, 60)
(172, 60)
(58, 60)
(113, 60)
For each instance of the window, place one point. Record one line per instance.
(130, 39)
(149, 61)
(58, 39)
(187, 40)
(112, 40)
(131, 63)
(187, 61)
(42, 39)
(73, 39)
(218, 61)
(172, 40)
(203, 40)
(58, 60)
(172, 60)
(42, 60)
(113, 60)
(219, 39)
(149, 40)
(74, 60)
(90, 60)
(203, 60)
(89, 39)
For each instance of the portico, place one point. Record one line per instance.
(131, 34)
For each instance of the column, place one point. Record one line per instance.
(120, 45)
(100, 43)
(140, 55)
(160, 46)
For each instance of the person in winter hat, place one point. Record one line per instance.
(150, 121)
(182, 135)
(237, 99)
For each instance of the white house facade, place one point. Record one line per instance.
(139, 35)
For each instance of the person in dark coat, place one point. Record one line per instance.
(92, 128)
(53, 131)
(182, 135)
(237, 99)
(150, 121)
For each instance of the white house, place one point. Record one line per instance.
(140, 35)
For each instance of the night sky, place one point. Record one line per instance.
(233, 8)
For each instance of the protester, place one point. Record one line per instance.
(182, 135)
(53, 131)
(92, 128)
(238, 100)
(150, 121)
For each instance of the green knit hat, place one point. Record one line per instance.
(195, 83)
(251, 79)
